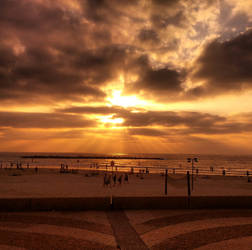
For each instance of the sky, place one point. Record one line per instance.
(120, 76)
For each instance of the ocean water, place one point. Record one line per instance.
(237, 165)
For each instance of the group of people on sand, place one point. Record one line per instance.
(114, 179)
(18, 165)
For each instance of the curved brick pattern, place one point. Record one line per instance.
(60, 232)
(126, 236)
(6, 247)
(92, 216)
(160, 234)
(66, 222)
(191, 216)
(66, 232)
(143, 216)
(203, 237)
(45, 242)
(182, 229)
(243, 243)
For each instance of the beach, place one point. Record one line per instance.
(90, 183)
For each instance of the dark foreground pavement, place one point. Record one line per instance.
(129, 229)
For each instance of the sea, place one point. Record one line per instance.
(234, 165)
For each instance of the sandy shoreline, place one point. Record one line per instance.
(52, 183)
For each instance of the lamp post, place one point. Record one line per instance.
(192, 160)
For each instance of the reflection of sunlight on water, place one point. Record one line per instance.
(120, 154)
(234, 165)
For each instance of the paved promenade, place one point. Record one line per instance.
(130, 229)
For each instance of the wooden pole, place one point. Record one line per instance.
(188, 190)
(188, 184)
(166, 175)
(248, 176)
(192, 174)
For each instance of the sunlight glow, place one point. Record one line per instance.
(125, 101)
(110, 119)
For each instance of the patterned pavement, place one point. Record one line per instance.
(131, 229)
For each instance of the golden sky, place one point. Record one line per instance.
(110, 76)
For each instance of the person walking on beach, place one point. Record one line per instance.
(114, 179)
(120, 179)
(248, 176)
(105, 183)
(132, 170)
(126, 178)
(110, 180)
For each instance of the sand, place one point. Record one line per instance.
(52, 183)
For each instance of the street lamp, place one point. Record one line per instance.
(192, 160)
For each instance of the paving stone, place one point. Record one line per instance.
(125, 234)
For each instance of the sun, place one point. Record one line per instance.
(124, 101)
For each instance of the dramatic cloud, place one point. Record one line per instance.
(124, 69)
(184, 123)
(225, 66)
(169, 118)
(91, 110)
(35, 63)
(58, 51)
(43, 120)
(146, 132)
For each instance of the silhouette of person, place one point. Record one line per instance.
(114, 179)
(126, 178)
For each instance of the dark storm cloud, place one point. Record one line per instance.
(41, 68)
(157, 81)
(107, 11)
(148, 35)
(163, 13)
(102, 64)
(28, 15)
(94, 10)
(43, 120)
(165, 3)
(37, 72)
(225, 66)
(162, 79)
